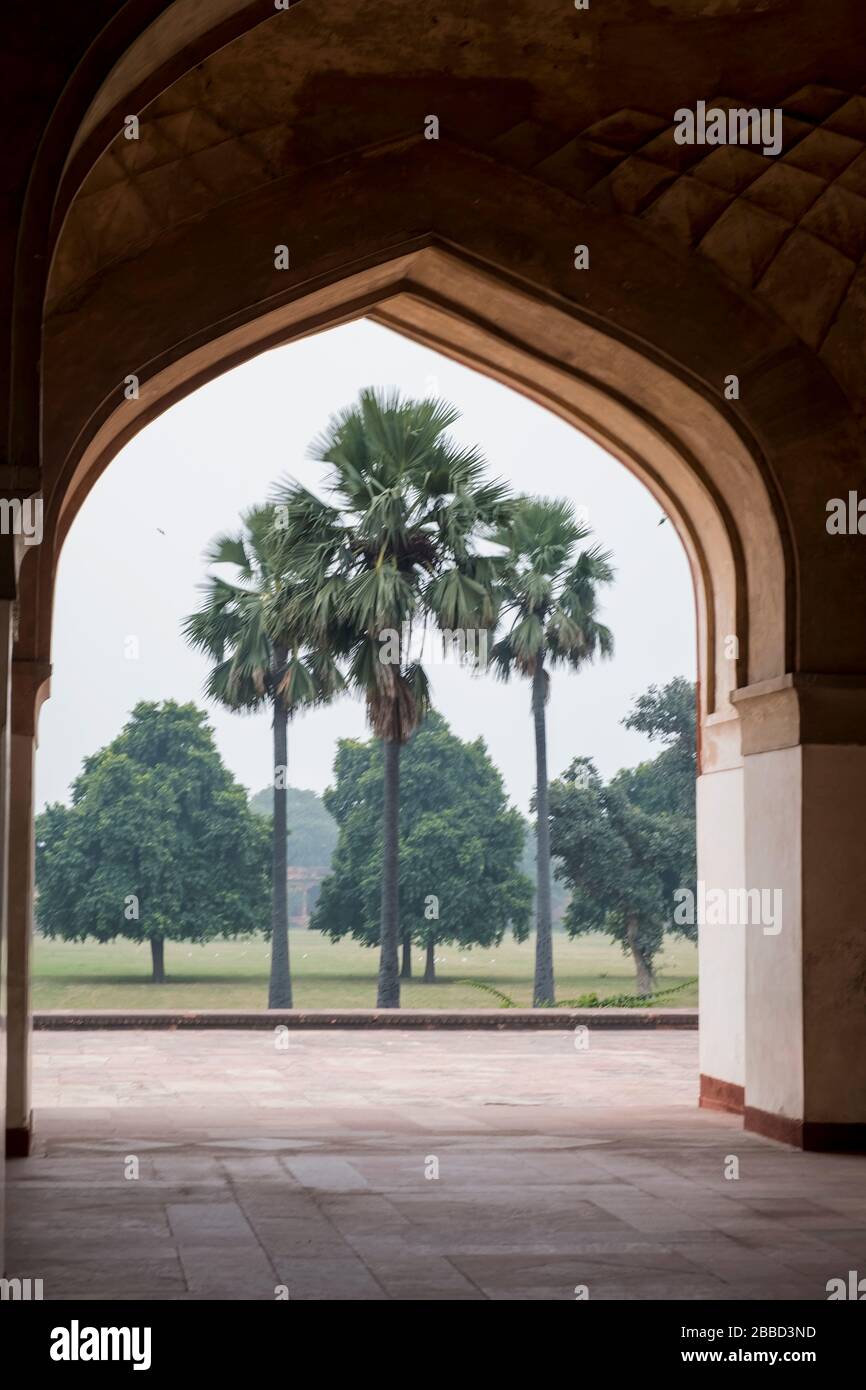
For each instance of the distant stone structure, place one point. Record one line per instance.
(304, 884)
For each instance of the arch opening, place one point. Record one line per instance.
(167, 508)
(676, 441)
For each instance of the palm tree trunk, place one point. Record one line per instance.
(280, 988)
(430, 963)
(643, 967)
(406, 962)
(543, 992)
(389, 979)
(157, 958)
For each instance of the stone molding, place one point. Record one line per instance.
(31, 685)
(77, 1020)
(801, 708)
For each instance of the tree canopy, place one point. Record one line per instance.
(460, 844)
(669, 716)
(396, 547)
(624, 847)
(158, 843)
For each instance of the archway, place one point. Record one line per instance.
(178, 484)
(644, 442)
(468, 243)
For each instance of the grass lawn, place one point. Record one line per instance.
(234, 974)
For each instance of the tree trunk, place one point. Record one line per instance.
(388, 996)
(157, 956)
(430, 963)
(643, 968)
(280, 987)
(543, 991)
(406, 963)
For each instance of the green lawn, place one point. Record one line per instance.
(234, 975)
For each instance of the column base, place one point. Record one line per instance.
(721, 1095)
(18, 1140)
(811, 1135)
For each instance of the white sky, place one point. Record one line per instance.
(191, 473)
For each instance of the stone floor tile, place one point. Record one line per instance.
(554, 1169)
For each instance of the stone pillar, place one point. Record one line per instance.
(29, 684)
(804, 746)
(721, 949)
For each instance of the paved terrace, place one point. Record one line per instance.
(305, 1167)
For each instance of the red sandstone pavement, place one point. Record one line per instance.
(304, 1168)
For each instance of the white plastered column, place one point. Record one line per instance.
(721, 949)
(804, 746)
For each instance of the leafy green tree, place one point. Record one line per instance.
(158, 844)
(667, 782)
(253, 627)
(548, 592)
(626, 847)
(461, 846)
(396, 548)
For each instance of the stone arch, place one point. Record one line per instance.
(481, 321)
(468, 243)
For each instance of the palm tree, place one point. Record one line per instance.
(548, 596)
(252, 628)
(396, 547)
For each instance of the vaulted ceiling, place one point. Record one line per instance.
(581, 100)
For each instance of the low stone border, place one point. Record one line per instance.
(66, 1020)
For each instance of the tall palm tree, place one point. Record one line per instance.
(395, 547)
(547, 597)
(252, 627)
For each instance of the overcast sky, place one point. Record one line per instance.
(133, 560)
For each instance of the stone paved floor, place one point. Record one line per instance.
(307, 1167)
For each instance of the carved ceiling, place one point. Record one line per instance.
(591, 121)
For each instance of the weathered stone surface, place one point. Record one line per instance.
(686, 209)
(743, 242)
(556, 1167)
(806, 284)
